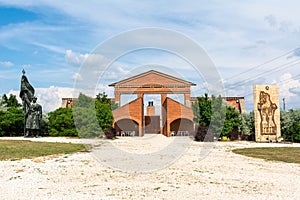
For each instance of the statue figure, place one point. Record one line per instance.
(34, 118)
(32, 110)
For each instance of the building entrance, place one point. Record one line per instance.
(172, 112)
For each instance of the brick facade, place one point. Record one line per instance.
(175, 117)
(153, 82)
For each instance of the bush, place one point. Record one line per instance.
(11, 122)
(204, 134)
(234, 135)
(110, 133)
(245, 137)
(61, 123)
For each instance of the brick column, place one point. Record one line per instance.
(187, 101)
(141, 126)
(163, 98)
(117, 98)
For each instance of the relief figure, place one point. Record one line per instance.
(267, 110)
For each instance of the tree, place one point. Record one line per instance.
(88, 118)
(290, 125)
(202, 111)
(104, 111)
(11, 101)
(92, 117)
(11, 116)
(3, 106)
(61, 123)
(218, 114)
(11, 122)
(232, 123)
(248, 128)
(103, 99)
(285, 124)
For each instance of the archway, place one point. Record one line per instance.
(181, 127)
(127, 127)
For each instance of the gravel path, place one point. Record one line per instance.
(220, 175)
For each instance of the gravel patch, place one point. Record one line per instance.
(220, 175)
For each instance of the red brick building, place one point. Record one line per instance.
(174, 115)
(175, 118)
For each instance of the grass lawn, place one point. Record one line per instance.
(285, 154)
(18, 149)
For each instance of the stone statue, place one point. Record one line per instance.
(32, 110)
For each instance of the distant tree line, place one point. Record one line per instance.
(93, 118)
(11, 116)
(213, 118)
(210, 112)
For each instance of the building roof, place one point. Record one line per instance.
(153, 72)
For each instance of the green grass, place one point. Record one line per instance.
(18, 149)
(284, 154)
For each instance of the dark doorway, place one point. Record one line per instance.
(152, 124)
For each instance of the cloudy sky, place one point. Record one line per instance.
(249, 42)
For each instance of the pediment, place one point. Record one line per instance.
(152, 78)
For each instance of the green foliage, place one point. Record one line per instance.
(104, 115)
(92, 117)
(45, 124)
(202, 111)
(104, 111)
(11, 122)
(221, 119)
(88, 118)
(248, 127)
(11, 116)
(9, 102)
(233, 121)
(218, 110)
(85, 117)
(61, 123)
(103, 99)
(290, 125)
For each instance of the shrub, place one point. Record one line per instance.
(234, 135)
(245, 137)
(110, 133)
(61, 123)
(204, 134)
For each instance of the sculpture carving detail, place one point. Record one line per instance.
(267, 110)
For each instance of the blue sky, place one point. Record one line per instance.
(250, 42)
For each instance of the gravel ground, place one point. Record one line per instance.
(220, 175)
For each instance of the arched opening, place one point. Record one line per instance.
(127, 127)
(181, 127)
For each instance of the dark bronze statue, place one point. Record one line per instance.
(32, 110)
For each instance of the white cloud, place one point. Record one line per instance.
(50, 98)
(77, 77)
(7, 63)
(49, 47)
(75, 59)
(287, 85)
(237, 36)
